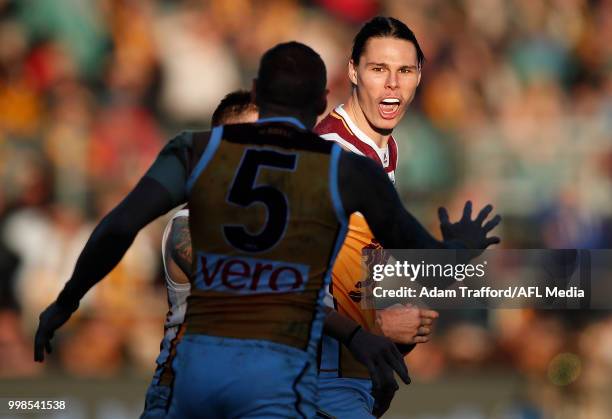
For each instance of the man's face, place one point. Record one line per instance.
(386, 79)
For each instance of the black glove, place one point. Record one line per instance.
(381, 357)
(471, 233)
(49, 321)
(405, 348)
(382, 402)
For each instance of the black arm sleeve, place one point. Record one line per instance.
(161, 189)
(366, 188)
(113, 236)
(338, 326)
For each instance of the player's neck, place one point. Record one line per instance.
(381, 138)
(309, 121)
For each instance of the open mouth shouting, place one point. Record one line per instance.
(389, 107)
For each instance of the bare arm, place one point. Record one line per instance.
(179, 248)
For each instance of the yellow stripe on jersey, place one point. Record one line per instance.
(337, 116)
(348, 288)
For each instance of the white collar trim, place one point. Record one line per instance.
(382, 152)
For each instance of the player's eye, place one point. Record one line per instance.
(378, 69)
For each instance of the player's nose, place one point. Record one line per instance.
(392, 80)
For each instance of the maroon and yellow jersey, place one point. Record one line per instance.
(349, 273)
(265, 226)
(337, 126)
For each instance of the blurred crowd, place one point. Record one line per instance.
(514, 108)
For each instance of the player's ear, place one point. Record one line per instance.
(352, 71)
(419, 77)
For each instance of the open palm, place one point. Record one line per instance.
(472, 233)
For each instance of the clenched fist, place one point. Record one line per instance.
(406, 324)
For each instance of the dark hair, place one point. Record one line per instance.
(231, 105)
(382, 27)
(291, 75)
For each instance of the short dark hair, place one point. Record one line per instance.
(382, 27)
(231, 105)
(291, 75)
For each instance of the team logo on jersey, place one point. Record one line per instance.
(369, 259)
(355, 295)
(245, 275)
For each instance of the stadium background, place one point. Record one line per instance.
(514, 108)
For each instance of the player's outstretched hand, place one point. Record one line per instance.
(473, 233)
(49, 321)
(381, 357)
